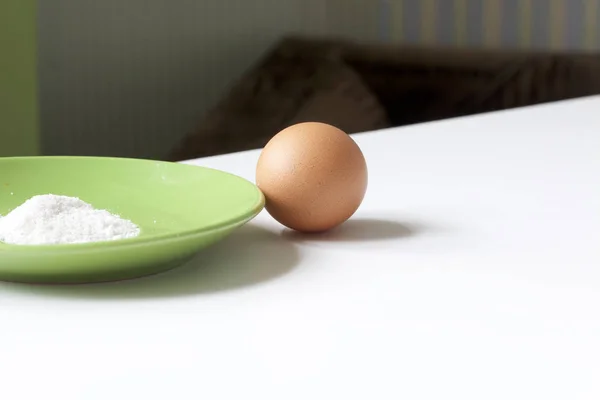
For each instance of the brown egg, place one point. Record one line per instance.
(313, 176)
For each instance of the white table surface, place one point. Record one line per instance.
(472, 271)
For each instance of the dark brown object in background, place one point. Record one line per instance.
(360, 87)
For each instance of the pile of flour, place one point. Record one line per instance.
(52, 219)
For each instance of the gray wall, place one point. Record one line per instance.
(132, 77)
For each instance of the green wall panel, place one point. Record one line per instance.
(18, 78)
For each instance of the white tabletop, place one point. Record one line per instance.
(472, 271)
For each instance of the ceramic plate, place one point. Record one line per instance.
(179, 208)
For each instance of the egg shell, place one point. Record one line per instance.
(313, 175)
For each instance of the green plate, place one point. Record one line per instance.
(179, 208)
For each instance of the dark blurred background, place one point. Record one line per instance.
(173, 79)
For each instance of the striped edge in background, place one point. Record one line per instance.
(590, 25)
(492, 20)
(460, 22)
(429, 20)
(525, 30)
(557, 21)
(555, 24)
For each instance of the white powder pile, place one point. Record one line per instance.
(52, 219)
